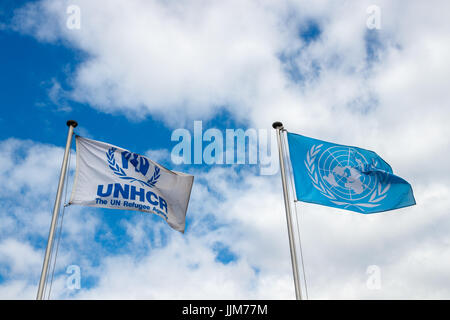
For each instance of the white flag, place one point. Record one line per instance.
(111, 177)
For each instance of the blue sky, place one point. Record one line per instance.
(135, 72)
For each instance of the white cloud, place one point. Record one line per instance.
(17, 289)
(187, 60)
(29, 176)
(161, 156)
(21, 257)
(244, 213)
(190, 258)
(176, 60)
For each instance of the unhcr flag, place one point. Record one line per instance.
(345, 177)
(111, 177)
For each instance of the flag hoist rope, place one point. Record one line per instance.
(58, 238)
(71, 124)
(278, 126)
(301, 250)
(297, 215)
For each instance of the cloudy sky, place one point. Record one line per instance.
(374, 74)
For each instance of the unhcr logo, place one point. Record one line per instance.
(141, 167)
(235, 147)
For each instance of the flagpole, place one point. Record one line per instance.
(278, 126)
(71, 124)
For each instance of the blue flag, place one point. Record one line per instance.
(345, 177)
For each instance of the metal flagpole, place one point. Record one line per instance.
(71, 124)
(278, 126)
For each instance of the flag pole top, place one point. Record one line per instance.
(72, 123)
(277, 125)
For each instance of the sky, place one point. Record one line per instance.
(373, 74)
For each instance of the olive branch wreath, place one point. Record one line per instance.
(377, 195)
(118, 171)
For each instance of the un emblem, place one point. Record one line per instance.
(342, 174)
(140, 164)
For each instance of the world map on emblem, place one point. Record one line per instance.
(341, 171)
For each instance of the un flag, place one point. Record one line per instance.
(345, 177)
